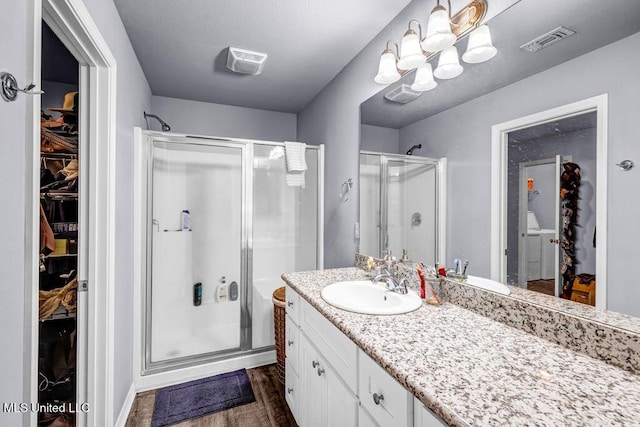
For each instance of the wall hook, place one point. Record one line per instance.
(345, 190)
(10, 88)
(626, 165)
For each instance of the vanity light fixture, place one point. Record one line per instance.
(424, 79)
(411, 55)
(448, 64)
(480, 47)
(387, 69)
(442, 33)
(439, 34)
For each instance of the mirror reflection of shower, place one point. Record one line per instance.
(165, 126)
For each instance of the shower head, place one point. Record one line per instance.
(165, 126)
(415, 147)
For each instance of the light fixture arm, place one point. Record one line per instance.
(397, 54)
(448, 10)
(419, 29)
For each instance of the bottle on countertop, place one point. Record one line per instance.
(185, 220)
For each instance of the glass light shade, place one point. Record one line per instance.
(448, 64)
(424, 79)
(411, 55)
(439, 34)
(480, 48)
(387, 70)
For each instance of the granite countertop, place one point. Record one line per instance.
(471, 370)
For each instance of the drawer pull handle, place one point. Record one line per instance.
(289, 390)
(377, 398)
(314, 363)
(289, 343)
(289, 303)
(320, 371)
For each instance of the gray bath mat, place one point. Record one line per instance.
(200, 397)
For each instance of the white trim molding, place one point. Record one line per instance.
(126, 407)
(499, 140)
(72, 23)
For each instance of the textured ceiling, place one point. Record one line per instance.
(554, 128)
(596, 22)
(182, 45)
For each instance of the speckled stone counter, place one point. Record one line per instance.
(471, 370)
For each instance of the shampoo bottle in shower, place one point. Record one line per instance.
(185, 220)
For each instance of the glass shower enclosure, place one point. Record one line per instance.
(399, 206)
(222, 226)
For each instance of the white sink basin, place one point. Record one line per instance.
(488, 284)
(369, 298)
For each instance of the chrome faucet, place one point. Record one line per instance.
(393, 284)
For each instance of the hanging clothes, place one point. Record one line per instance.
(569, 193)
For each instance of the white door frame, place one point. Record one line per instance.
(499, 159)
(72, 23)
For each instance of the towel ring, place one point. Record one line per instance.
(345, 190)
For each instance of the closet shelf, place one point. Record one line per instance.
(60, 313)
(59, 196)
(57, 156)
(61, 256)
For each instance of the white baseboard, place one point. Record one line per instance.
(126, 407)
(181, 375)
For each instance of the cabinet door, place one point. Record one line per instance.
(312, 405)
(423, 417)
(342, 405)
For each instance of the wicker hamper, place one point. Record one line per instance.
(279, 315)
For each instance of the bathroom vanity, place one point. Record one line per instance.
(438, 365)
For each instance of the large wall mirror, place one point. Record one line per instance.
(547, 241)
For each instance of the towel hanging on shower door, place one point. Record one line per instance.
(296, 164)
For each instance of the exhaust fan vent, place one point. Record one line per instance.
(402, 94)
(245, 61)
(546, 40)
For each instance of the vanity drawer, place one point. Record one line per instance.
(388, 402)
(293, 304)
(292, 343)
(292, 390)
(338, 350)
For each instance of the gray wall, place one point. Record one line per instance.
(333, 119)
(133, 96)
(15, 29)
(223, 120)
(581, 145)
(381, 139)
(467, 130)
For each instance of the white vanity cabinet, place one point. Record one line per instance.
(384, 398)
(423, 417)
(331, 382)
(292, 351)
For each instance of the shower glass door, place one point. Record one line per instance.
(399, 206)
(198, 298)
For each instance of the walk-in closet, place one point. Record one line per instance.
(59, 207)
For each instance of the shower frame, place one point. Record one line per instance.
(440, 197)
(151, 374)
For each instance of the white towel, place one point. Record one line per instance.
(296, 164)
(294, 152)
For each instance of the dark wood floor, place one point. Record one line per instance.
(542, 286)
(269, 409)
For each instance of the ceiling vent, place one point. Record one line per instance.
(546, 40)
(402, 94)
(245, 61)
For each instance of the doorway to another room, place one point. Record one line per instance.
(552, 197)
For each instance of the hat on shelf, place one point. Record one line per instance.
(70, 104)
